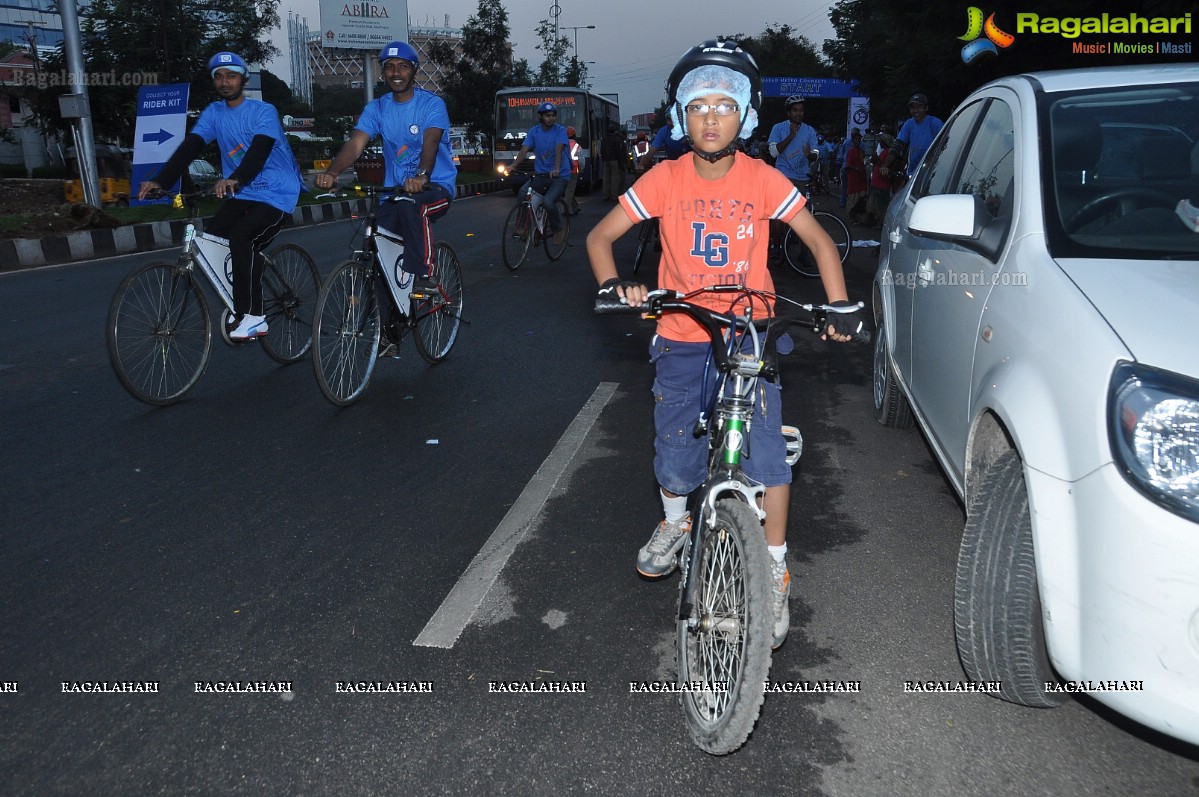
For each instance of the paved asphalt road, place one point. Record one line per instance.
(254, 532)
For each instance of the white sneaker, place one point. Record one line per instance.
(780, 591)
(251, 326)
(660, 556)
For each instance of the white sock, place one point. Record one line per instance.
(779, 552)
(675, 508)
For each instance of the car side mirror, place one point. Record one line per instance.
(960, 219)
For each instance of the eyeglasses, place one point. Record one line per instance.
(721, 109)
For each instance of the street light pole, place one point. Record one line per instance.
(576, 29)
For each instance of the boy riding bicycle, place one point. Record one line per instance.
(551, 167)
(714, 206)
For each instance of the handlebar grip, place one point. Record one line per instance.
(605, 305)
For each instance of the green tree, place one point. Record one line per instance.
(483, 66)
(278, 93)
(553, 69)
(140, 41)
(781, 51)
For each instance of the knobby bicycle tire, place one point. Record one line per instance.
(800, 258)
(517, 235)
(552, 250)
(159, 333)
(345, 333)
(290, 283)
(730, 642)
(438, 320)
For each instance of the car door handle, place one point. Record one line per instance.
(924, 271)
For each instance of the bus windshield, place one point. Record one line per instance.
(516, 113)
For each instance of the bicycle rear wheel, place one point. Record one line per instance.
(800, 258)
(159, 335)
(552, 250)
(517, 235)
(725, 644)
(437, 320)
(289, 287)
(345, 334)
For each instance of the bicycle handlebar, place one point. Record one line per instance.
(813, 318)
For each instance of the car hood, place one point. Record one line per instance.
(1151, 304)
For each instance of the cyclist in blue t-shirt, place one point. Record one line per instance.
(261, 181)
(551, 165)
(664, 143)
(918, 133)
(415, 127)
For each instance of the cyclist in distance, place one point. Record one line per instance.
(551, 165)
(261, 183)
(793, 144)
(713, 206)
(415, 127)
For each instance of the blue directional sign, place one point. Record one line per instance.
(816, 88)
(161, 125)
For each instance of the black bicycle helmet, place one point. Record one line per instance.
(714, 52)
(718, 53)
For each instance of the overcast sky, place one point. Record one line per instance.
(634, 44)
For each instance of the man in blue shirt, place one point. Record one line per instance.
(918, 133)
(261, 181)
(793, 143)
(415, 127)
(551, 166)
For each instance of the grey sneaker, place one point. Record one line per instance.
(660, 556)
(780, 577)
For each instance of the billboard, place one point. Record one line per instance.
(363, 25)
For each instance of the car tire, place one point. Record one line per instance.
(891, 407)
(997, 606)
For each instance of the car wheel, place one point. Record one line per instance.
(997, 605)
(891, 408)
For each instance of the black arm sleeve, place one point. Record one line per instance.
(254, 160)
(176, 165)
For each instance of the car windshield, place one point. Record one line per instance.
(1124, 174)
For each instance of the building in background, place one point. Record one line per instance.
(334, 67)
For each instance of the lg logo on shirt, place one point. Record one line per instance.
(712, 247)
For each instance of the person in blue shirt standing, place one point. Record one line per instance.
(415, 127)
(793, 144)
(261, 183)
(551, 167)
(917, 133)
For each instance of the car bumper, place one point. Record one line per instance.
(1119, 581)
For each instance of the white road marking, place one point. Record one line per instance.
(459, 607)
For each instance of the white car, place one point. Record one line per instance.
(1037, 313)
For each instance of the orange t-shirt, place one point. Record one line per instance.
(713, 231)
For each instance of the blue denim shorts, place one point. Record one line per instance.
(680, 458)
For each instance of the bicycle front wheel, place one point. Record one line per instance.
(289, 286)
(645, 239)
(517, 235)
(345, 334)
(437, 319)
(800, 258)
(159, 335)
(725, 643)
(555, 250)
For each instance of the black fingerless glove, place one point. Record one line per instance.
(844, 323)
(608, 289)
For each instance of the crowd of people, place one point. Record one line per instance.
(706, 155)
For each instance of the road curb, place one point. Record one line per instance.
(50, 250)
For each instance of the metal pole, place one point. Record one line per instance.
(85, 151)
(368, 80)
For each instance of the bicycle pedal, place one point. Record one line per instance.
(794, 444)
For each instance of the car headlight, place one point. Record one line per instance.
(1153, 419)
